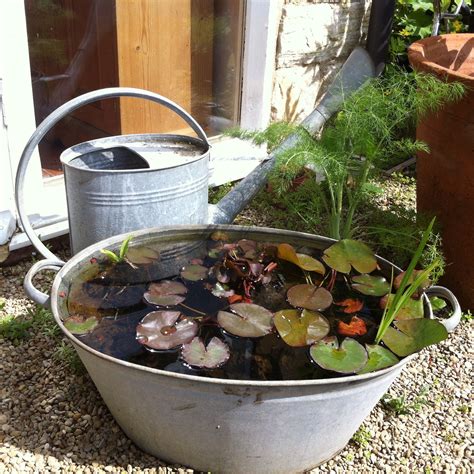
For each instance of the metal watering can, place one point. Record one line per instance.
(126, 183)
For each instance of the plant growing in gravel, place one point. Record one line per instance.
(67, 356)
(361, 437)
(401, 405)
(368, 132)
(14, 329)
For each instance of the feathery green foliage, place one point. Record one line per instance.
(370, 131)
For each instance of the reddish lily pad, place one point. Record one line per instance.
(348, 358)
(371, 285)
(411, 335)
(398, 279)
(351, 305)
(300, 329)
(379, 358)
(309, 297)
(248, 247)
(247, 320)
(305, 262)
(411, 309)
(163, 330)
(356, 327)
(347, 253)
(197, 355)
(142, 255)
(194, 272)
(166, 293)
(80, 325)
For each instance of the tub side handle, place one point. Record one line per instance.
(450, 323)
(31, 291)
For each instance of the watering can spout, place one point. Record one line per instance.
(354, 73)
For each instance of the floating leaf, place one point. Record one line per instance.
(305, 262)
(411, 309)
(437, 303)
(348, 253)
(347, 358)
(163, 330)
(398, 279)
(309, 297)
(194, 272)
(247, 320)
(248, 247)
(142, 255)
(80, 325)
(356, 327)
(351, 305)
(298, 328)
(166, 293)
(221, 291)
(197, 355)
(371, 285)
(412, 335)
(379, 358)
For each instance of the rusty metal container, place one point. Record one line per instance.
(445, 176)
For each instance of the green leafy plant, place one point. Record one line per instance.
(367, 134)
(120, 257)
(413, 20)
(66, 355)
(401, 405)
(14, 329)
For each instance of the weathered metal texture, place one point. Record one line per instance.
(445, 176)
(110, 191)
(225, 425)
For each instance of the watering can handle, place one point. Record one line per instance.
(450, 323)
(61, 112)
(31, 291)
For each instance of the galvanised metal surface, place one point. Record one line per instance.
(221, 425)
(104, 200)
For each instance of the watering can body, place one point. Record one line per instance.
(129, 182)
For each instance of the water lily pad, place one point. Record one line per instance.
(305, 262)
(379, 358)
(356, 327)
(166, 293)
(248, 247)
(371, 285)
(163, 330)
(142, 255)
(247, 320)
(194, 272)
(197, 355)
(348, 358)
(351, 305)
(411, 309)
(398, 279)
(309, 297)
(411, 335)
(347, 253)
(80, 325)
(301, 328)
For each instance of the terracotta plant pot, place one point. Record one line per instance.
(445, 176)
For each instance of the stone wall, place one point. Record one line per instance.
(314, 39)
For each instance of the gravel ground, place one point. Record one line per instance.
(53, 420)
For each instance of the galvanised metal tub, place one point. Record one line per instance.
(215, 424)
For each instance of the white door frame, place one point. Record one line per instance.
(261, 29)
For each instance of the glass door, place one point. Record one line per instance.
(187, 50)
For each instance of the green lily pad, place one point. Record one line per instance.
(197, 355)
(300, 329)
(246, 320)
(163, 330)
(194, 272)
(379, 358)
(348, 358)
(80, 325)
(142, 255)
(371, 285)
(411, 335)
(309, 297)
(166, 293)
(348, 253)
(305, 262)
(437, 303)
(411, 309)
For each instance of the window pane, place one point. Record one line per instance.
(186, 50)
